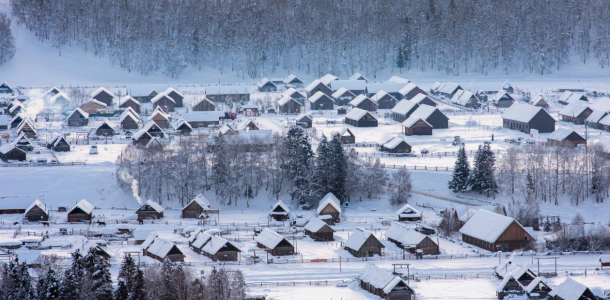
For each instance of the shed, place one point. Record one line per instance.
(495, 232)
(219, 249)
(175, 95)
(408, 213)
(164, 101)
(503, 99)
(128, 121)
(330, 208)
(37, 211)
(279, 211)
(466, 99)
(360, 118)
(317, 86)
(265, 85)
(105, 129)
(384, 100)
(129, 101)
(343, 96)
(565, 137)
(524, 117)
(345, 135)
(274, 243)
(304, 120)
(363, 102)
(407, 238)
(363, 243)
(196, 207)
(321, 101)
(384, 284)
(204, 104)
(570, 289)
(150, 210)
(103, 95)
(416, 125)
(396, 145)
(403, 110)
(289, 105)
(82, 211)
(9, 151)
(319, 230)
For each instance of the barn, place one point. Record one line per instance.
(466, 99)
(403, 110)
(82, 211)
(289, 105)
(94, 107)
(395, 144)
(219, 249)
(204, 104)
(279, 211)
(78, 118)
(565, 137)
(321, 101)
(384, 284)
(103, 95)
(407, 238)
(37, 211)
(175, 95)
(105, 129)
(128, 121)
(570, 289)
(196, 207)
(274, 243)
(345, 135)
(329, 209)
(343, 96)
(415, 125)
(503, 99)
(384, 100)
(129, 101)
(524, 117)
(161, 249)
(408, 213)
(9, 151)
(150, 210)
(319, 230)
(363, 102)
(360, 118)
(160, 118)
(575, 113)
(495, 232)
(265, 86)
(317, 86)
(363, 243)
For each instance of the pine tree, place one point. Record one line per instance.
(461, 172)
(127, 278)
(322, 167)
(220, 169)
(400, 60)
(98, 275)
(121, 292)
(338, 169)
(25, 289)
(299, 163)
(482, 179)
(547, 226)
(139, 293)
(529, 186)
(71, 282)
(48, 286)
(169, 289)
(596, 181)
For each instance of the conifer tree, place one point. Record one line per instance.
(48, 286)
(461, 172)
(322, 167)
(338, 169)
(299, 163)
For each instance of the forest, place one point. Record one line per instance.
(258, 37)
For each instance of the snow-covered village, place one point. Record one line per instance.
(207, 150)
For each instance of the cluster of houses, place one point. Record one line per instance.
(580, 109)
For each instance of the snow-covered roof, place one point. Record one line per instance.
(106, 122)
(394, 142)
(462, 97)
(596, 115)
(411, 120)
(379, 278)
(574, 109)
(352, 85)
(342, 132)
(407, 211)
(604, 258)
(100, 103)
(602, 104)
(341, 93)
(313, 85)
(38, 204)
(102, 89)
(499, 96)
(215, 244)
(605, 120)
(154, 205)
(403, 107)
(358, 76)
(193, 235)
(357, 238)
(15, 106)
(505, 281)
(225, 129)
(228, 90)
(243, 125)
(357, 114)
(319, 95)
(329, 199)
(487, 226)
(149, 240)
(290, 78)
(84, 205)
(270, 239)
(408, 88)
(506, 85)
(291, 91)
(160, 96)
(380, 95)
(26, 122)
(572, 98)
(300, 117)
(359, 99)
(201, 239)
(534, 283)
(132, 111)
(285, 99)
(390, 87)
(419, 98)
(570, 289)
(448, 87)
(80, 111)
(398, 79)
(403, 234)
(6, 148)
(424, 111)
(537, 99)
(128, 98)
(148, 126)
(521, 112)
(127, 114)
(201, 200)
(202, 116)
(3, 120)
(435, 86)
(560, 134)
(328, 78)
(281, 205)
(315, 224)
(170, 90)
(59, 95)
(264, 82)
(159, 111)
(161, 247)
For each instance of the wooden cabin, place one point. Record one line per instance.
(15, 121)
(296, 95)
(266, 86)
(363, 243)
(415, 125)
(384, 284)
(274, 243)
(153, 129)
(22, 142)
(317, 86)
(164, 102)
(198, 239)
(396, 145)
(319, 230)
(204, 104)
(495, 232)
(345, 135)
(202, 119)
(384, 100)
(343, 96)
(176, 96)
(228, 93)
(128, 121)
(408, 213)
(423, 99)
(360, 118)
(321, 101)
(575, 113)
(94, 107)
(569, 97)
(78, 118)
(219, 249)
(411, 90)
(329, 209)
(593, 121)
(28, 128)
(604, 260)
(540, 102)
(294, 81)
(392, 88)
(248, 124)
(565, 137)
(15, 109)
(403, 110)
(82, 211)
(304, 120)
(503, 99)
(570, 289)
(58, 144)
(129, 101)
(196, 207)
(182, 126)
(363, 102)
(358, 76)
(407, 238)
(9, 151)
(103, 95)
(37, 211)
(508, 88)
(141, 138)
(105, 129)
(289, 105)
(448, 89)
(150, 210)
(160, 118)
(161, 249)
(524, 117)
(279, 211)
(432, 115)
(357, 87)
(466, 99)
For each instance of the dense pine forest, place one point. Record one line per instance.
(257, 37)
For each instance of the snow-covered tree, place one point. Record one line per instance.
(401, 181)
(337, 169)
(299, 164)
(7, 44)
(48, 286)
(461, 172)
(482, 178)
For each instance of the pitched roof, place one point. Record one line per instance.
(215, 244)
(420, 97)
(352, 85)
(300, 117)
(435, 86)
(537, 99)
(448, 87)
(227, 90)
(315, 224)
(573, 109)
(84, 205)
(487, 226)
(403, 107)
(394, 142)
(8, 147)
(521, 112)
(285, 99)
(281, 205)
(398, 79)
(152, 204)
(411, 120)
(390, 87)
(159, 96)
(319, 95)
(602, 104)
(329, 199)
(424, 111)
(328, 78)
(357, 114)
(38, 204)
(379, 278)
(341, 92)
(292, 91)
(571, 97)
(201, 200)
(570, 289)
(101, 89)
(290, 78)
(596, 115)
(264, 82)
(357, 238)
(132, 111)
(359, 99)
(161, 247)
(128, 98)
(380, 96)
(80, 111)
(313, 85)
(170, 90)
(160, 113)
(403, 234)
(201, 239)
(561, 134)
(270, 239)
(462, 97)
(202, 116)
(358, 76)
(127, 114)
(408, 88)
(501, 94)
(407, 211)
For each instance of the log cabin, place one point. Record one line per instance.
(343, 96)
(105, 129)
(293, 81)
(82, 211)
(58, 143)
(363, 102)
(289, 105)
(570, 289)
(161, 249)
(593, 120)
(575, 113)
(22, 142)
(10, 151)
(160, 118)
(360, 118)
(182, 126)
(363, 243)
(78, 117)
(37, 211)
(198, 206)
(392, 88)
(304, 120)
(128, 121)
(103, 95)
(466, 99)
(384, 284)
(495, 232)
(175, 95)
(524, 117)
(279, 211)
(321, 101)
(150, 210)
(317, 86)
(219, 249)
(274, 243)
(228, 93)
(569, 97)
(423, 99)
(345, 135)
(94, 107)
(409, 214)
(296, 95)
(540, 102)
(329, 209)
(357, 87)
(411, 240)
(411, 90)
(415, 125)
(204, 104)
(384, 100)
(319, 230)
(164, 101)
(396, 144)
(129, 101)
(403, 110)
(266, 86)
(565, 137)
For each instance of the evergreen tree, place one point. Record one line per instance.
(220, 169)
(529, 186)
(338, 169)
(461, 172)
(322, 167)
(98, 276)
(299, 164)
(10, 280)
(482, 179)
(400, 60)
(48, 286)
(71, 282)
(139, 293)
(596, 184)
(547, 226)
(169, 288)
(25, 288)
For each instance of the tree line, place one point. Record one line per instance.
(240, 168)
(257, 37)
(88, 278)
